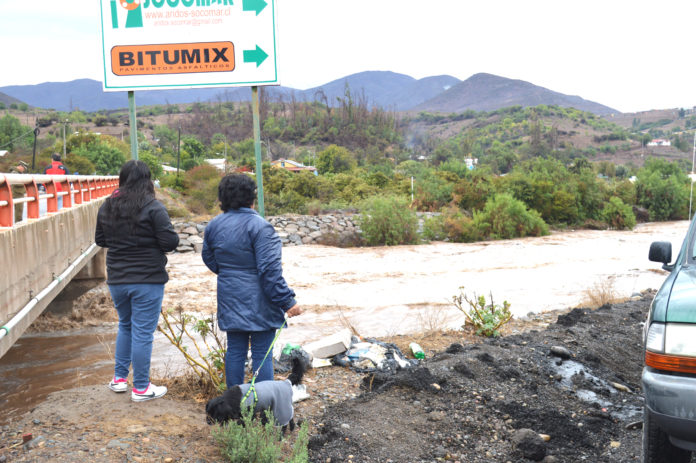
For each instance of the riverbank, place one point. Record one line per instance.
(469, 401)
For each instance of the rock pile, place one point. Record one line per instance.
(190, 236)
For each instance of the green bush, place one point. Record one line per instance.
(285, 202)
(253, 442)
(434, 228)
(387, 220)
(505, 217)
(663, 189)
(176, 182)
(618, 215)
(432, 192)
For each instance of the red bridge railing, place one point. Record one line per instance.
(73, 189)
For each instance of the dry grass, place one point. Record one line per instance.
(187, 386)
(432, 319)
(346, 322)
(600, 293)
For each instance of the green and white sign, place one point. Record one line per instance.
(158, 44)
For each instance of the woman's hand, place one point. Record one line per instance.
(294, 311)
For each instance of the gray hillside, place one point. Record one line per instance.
(487, 92)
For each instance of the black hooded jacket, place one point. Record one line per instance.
(137, 256)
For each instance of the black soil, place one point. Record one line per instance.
(577, 382)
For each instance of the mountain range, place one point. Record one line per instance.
(389, 90)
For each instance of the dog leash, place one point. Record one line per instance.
(252, 388)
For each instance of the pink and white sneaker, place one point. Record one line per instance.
(118, 384)
(150, 392)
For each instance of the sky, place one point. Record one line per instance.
(629, 55)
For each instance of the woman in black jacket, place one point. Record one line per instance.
(136, 229)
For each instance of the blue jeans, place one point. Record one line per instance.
(138, 307)
(237, 348)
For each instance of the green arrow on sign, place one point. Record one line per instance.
(254, 5)
(255, 56)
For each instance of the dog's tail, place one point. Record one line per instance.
(298, 370)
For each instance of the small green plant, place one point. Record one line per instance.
(205, 353)
(486, 318)
(254, 442)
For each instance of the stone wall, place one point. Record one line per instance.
(294, 230)
(190, 236)
(334, 229)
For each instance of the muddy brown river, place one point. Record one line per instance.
(378, 291)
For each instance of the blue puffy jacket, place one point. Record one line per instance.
(244, 251)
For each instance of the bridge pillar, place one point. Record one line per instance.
(92, 275)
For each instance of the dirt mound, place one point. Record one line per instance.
(578, 382)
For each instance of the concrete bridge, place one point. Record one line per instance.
(44, 245)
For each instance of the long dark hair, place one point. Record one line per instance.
(135, 190)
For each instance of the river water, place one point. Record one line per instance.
(377, 291)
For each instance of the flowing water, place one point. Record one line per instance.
(375, 291)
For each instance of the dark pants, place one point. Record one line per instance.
(237, 347)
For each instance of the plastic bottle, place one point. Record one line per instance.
(417, 350)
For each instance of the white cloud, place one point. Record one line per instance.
(630, 55)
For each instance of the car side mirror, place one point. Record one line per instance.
(661, 251)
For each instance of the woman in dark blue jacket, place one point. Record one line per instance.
(253, 298)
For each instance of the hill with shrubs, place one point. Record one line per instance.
(487, 174)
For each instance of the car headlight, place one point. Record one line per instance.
(671, 347)
(655, 339)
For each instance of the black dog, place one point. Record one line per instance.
(275, 396)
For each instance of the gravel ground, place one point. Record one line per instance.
(567, 393)
(576, 381)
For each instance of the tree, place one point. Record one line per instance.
(79, 164)
(166, 138)
(107, 159)
(193, 147)
(335, 159)
(153, 163)
(106, 153)
(11, 131)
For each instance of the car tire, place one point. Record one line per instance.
(657, 447)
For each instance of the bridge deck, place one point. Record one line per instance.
(43, 253)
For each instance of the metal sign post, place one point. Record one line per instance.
(257, 150)
(133, 125)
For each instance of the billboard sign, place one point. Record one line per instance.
(158, 44)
